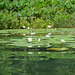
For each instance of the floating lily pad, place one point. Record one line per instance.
(57, 49)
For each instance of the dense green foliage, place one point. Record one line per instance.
(37, 13)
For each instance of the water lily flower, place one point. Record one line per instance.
(29, 39)
(24, 27)
(38, 46)
(27, 27)
(32, 33)
(63, 52)
(62, 40)
(49, 26)
(30, 52)
(24, 34)
(47, 52)
(39, 39)
(48, 45)
(47, 36)
(49, 33)
(29, 46)
(39, 52)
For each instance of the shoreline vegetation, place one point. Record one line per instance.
(35, 14)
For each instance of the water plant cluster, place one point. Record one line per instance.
(52, 39)
(33, 45)
(36, 13)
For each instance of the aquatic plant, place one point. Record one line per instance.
(29, 39)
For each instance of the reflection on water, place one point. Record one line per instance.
(47, 54)
(15, 65)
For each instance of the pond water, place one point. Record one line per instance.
(37, 52)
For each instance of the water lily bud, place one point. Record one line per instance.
(39, 39)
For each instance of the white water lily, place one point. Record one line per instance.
(27, 27)
(29, 46)
(49, 26)
(47, 36)
(63, 52)
(24, 27)
(24, 34)
(39, 39)
(49, 33)
(29, 39)
(38, 46)
(30, 52)
(47, 52)
(39, 52)
(32, 33)
(48, 45)
(62, 40)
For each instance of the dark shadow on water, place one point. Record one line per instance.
(48, 67)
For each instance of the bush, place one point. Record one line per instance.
(37, 13)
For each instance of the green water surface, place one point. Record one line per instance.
(49, 56)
